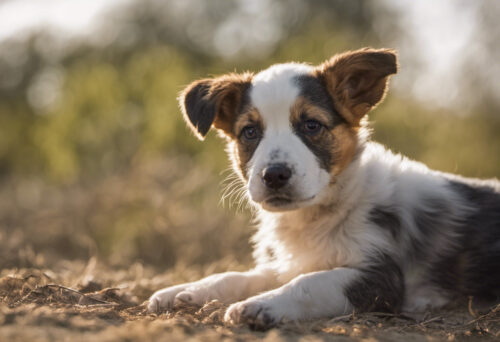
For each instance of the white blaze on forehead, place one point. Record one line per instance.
(273, 93)
(274, 90)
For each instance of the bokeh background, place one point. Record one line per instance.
(96, 162)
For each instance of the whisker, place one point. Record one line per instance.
(233, 186)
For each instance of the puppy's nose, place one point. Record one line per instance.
(276, 176)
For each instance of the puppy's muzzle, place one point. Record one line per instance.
(276, 176)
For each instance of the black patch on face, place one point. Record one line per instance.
(323, 152)
(275, 154)
(245, 151)
(380, 287)
(386, 218)
(246, 148)
(322, 146)
(317, 94)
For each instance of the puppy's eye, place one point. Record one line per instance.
(311, 127)
(250, 133)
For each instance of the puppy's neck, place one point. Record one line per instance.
(292, 235)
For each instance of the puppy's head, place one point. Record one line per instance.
(292, 128)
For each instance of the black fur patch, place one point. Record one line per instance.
(200, 110)
(386, 218)
(322, 149)
(322, 146)
(313, 90)
(479, 259)
(438, 246)
(245, 151)
(201, 105)
(433, 219)
(380, 287)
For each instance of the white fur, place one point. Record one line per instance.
(308, 254)
(308, 296)
(226, 287)
(336, 233)
(273, 93)
(326, 237)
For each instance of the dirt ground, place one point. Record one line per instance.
(85, 303)
(78, 264)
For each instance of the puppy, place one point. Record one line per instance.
(345, 225)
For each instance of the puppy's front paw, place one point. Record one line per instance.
(258, 314)
(171, 297)
(192, 296)
(163, 300)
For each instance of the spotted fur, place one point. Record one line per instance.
(347, 225)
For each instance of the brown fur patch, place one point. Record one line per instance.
(241, 150)
(302, 106)
(357, 80)
(335, 146)
(250, 116)
(214, 102)
(345, 146)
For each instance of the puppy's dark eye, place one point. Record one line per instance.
(250, 133)
(311, 127)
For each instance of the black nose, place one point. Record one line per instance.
(276, 176)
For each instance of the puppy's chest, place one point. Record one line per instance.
(301, 245)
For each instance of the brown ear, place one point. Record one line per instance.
(214, 101)
(357, 80)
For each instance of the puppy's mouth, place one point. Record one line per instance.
(278, 201)
(283, 203)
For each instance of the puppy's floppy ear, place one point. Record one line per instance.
(214, 101)
(357, 80)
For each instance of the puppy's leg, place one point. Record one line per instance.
(227, 287)
(312, 295)
(317, 295)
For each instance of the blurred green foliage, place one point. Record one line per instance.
(96, 159)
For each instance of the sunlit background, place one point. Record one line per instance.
(95, 160)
